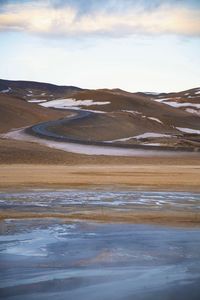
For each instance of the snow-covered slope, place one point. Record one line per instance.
(188, 101)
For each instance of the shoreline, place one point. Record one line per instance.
(168, 178)
(109, 216)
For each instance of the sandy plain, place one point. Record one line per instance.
(178, 177)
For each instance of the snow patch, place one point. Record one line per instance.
(90, 110)
(36, 101)
(178, 104)
(151, 135)
(188, 130)
(152, 93)
(151, 144)
(193, 111)
(141, 136)
(120, 140)
(155, 119)
(6, 91)
(161, 99)
(66, 103)
(134, 112)
(192, 97)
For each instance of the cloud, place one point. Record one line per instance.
(53, 19)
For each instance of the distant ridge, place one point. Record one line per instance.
(187, 100)
(18, 87)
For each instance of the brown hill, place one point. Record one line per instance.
(139, 104)
(125, 114)
(188, 100)
(15, 113)
(30, 89)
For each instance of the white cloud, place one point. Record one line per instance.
(45, 19)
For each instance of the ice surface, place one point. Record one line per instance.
(98, 261)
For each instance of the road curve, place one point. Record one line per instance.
(42, 130)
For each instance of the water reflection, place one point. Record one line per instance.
(53, 259)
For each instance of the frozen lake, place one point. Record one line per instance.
(53, 258)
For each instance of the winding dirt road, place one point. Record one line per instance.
(43, 130)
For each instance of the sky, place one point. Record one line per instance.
(135, 45)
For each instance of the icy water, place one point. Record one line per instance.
(52, 258)
(60, 201)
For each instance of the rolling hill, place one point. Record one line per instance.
(119, 117)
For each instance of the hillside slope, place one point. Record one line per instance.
(15, 113)
(188, 100)
(120, 117)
